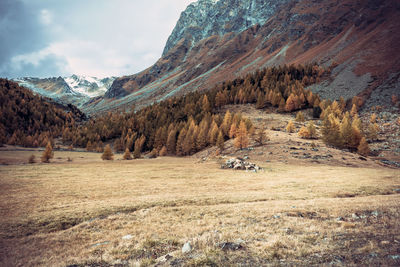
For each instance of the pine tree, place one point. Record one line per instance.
(163, 151)
(363, 148)
(89, 146)
(346, 129)
(47, 153)
(373, 130)
(205, 104)
(312, 131)
(233, 130)
(241, 140)
(139, 146)
(220, 141)
(353, 110)
(127, 154)
(179, 143)
(213, 134)
(260, 137)
(107, 154)
(171, 141)
(291, 103)
(226, 123)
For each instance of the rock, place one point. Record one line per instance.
(354, 216)
(362, 158)
(186, 248)
(240, 164)
(375, 213)
(127, 237)
(339, 219)
(230, 246)
(395, 257)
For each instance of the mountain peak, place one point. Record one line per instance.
(206, 18)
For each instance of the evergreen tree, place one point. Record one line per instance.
(205, 104)
(127, 154)
(107, 154)
(233, 130)
(312, 131)
(363, 148)
(138, 147)
(171, 142)
(47, 153)
(220, 141)
(241, 140)
(260, 137)
(163, 151)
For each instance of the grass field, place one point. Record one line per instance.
(82, 212)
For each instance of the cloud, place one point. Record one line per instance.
(21, 32)
(91, 37)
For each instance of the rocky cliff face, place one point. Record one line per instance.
(206, 18)
(220, 40)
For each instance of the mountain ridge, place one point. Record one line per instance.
(356, 39)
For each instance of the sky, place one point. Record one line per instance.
(101, 38)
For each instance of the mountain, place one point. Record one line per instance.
(218, 40)
(75, 89)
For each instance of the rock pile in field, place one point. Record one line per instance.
(240, 164)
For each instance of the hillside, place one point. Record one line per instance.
(31, 120)
(356, 39)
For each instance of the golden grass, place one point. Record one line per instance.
(77, 212)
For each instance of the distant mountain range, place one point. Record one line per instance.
(74, 89)
(219, 40)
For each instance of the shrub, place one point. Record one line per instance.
(304, 133)
(300, 117)
(32, 159)
(290, 127)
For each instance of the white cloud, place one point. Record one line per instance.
(99, 37)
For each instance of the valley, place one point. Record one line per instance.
(266, 134)
(88, 213)
(330, 207)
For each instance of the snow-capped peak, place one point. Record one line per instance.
(89, 86)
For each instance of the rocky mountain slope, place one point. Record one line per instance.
(214, 41)
(75, 89)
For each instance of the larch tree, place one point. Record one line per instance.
(363, 148)
(220, 141)
(47, 153)
(242, 139)
(107, 154)
(127, 154)
(138, 147)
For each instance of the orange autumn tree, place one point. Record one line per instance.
(242, 139)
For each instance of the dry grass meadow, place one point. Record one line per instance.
(81, 213)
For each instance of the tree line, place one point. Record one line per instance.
(187, 124)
